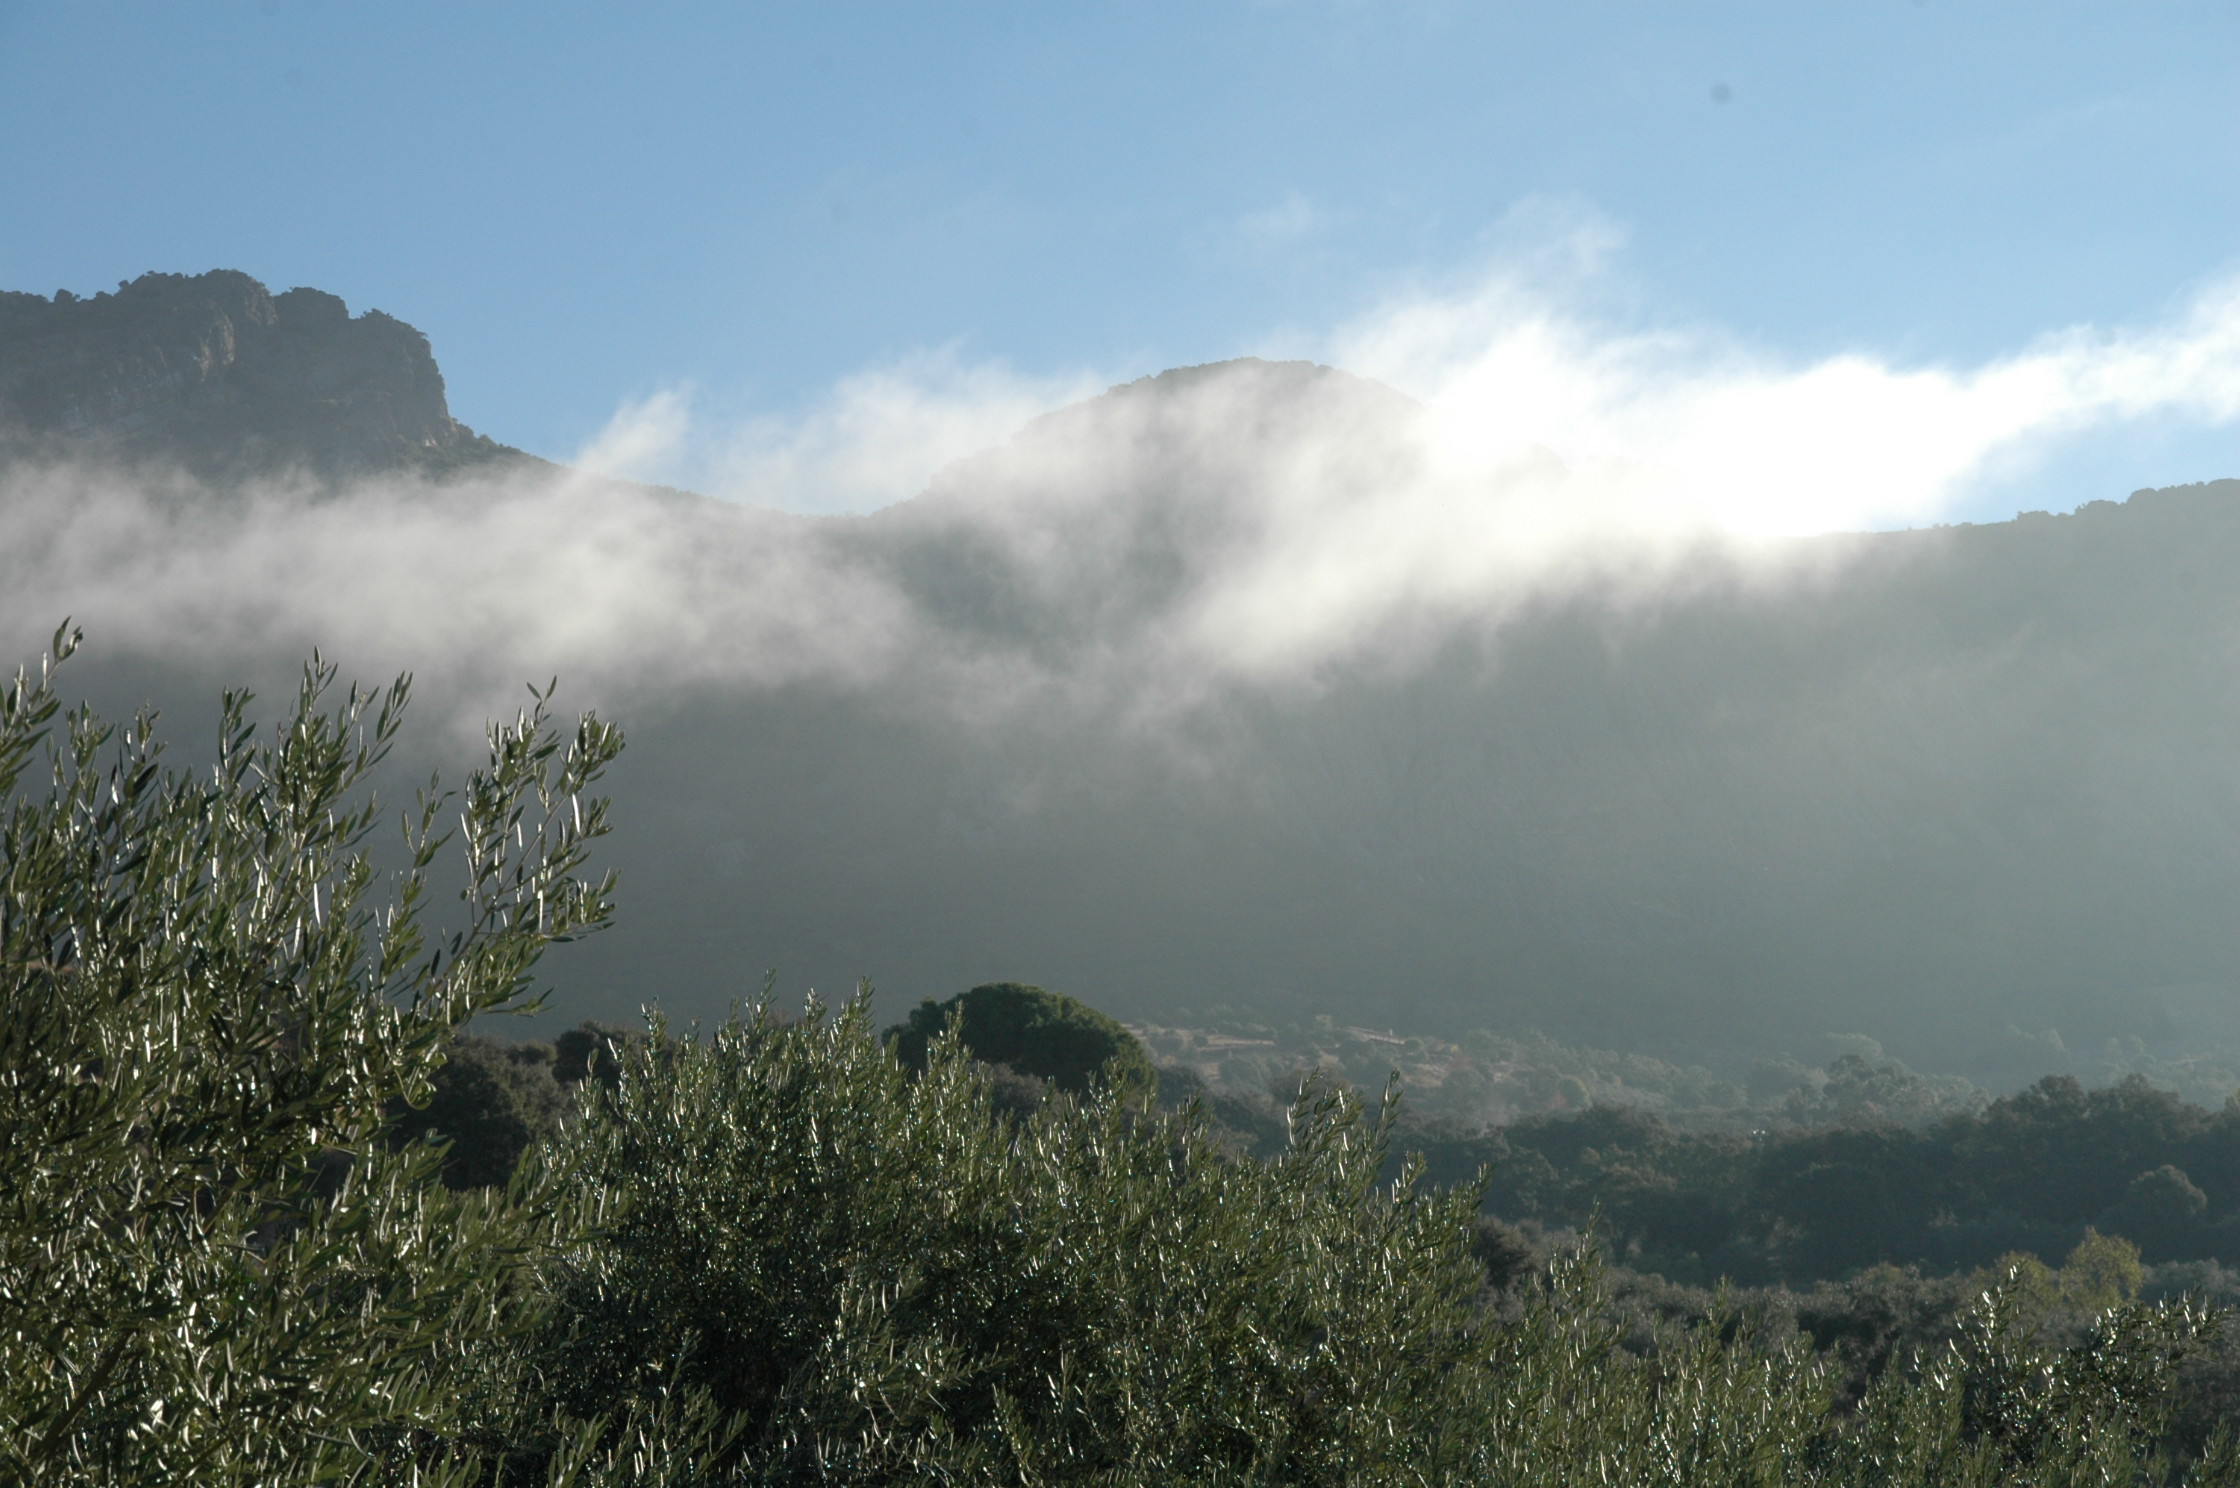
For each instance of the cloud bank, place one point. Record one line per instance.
(872, 440)
(1699, 429)
(1251, 525)
(474, 584)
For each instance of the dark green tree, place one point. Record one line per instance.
(491, 1100)
(488, 1103)
(1047, 1035)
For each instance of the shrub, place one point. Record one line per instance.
(871, 1281)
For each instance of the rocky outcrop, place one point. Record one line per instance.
(217, 374)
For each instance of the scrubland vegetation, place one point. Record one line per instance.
(236, 1249)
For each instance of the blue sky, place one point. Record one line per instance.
(744, 206)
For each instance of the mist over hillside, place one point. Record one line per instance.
(1224, 689)
(1963, 790)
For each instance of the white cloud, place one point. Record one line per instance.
(475, 584)
(875, 438)
(643, 440)
(1714, 433)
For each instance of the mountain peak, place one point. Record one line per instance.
(216, 373)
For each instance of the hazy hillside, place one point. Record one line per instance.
(1975, 779)
(1209, 692)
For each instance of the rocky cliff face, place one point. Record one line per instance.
(216, 373)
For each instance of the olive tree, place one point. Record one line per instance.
(213, 1268)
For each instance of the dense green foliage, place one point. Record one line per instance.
(213, 1269)
(1046, 1035)
(1861, 1324)
(2029, 1172)
(1878, 1319)
(881, 1282)
(805, 1265)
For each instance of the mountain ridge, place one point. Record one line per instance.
(215, 373)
